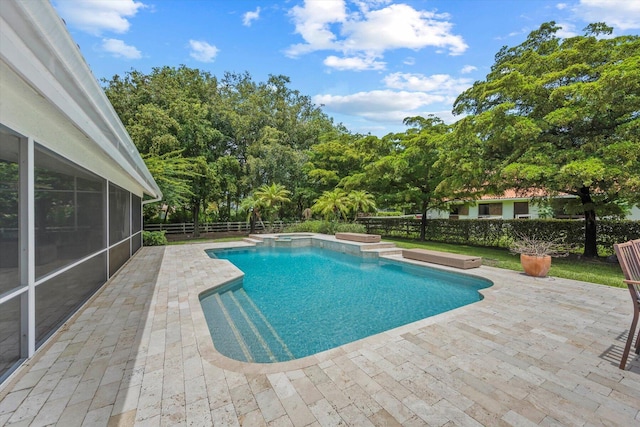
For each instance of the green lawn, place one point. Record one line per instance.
(594, 271)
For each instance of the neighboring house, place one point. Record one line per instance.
(71, 181)
(510, 205)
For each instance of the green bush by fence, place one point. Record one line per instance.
(325, 227)
(154, 238)
(499, 233)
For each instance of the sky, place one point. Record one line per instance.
(367, 63)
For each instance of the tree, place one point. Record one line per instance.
(332, 203)
(560, 115)
(251, 206)
(229, 173)
(270, 197)
(411, 173)
(361, 201)
(169, 111)
(172, 173)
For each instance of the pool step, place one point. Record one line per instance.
(253, 334)
(381, 245)
(272, 332)
(256, 242)
(386, 251)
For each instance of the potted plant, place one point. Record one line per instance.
(536, 253)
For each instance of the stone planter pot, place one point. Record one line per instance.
(536, 266)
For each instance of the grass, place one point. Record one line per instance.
(585, 270)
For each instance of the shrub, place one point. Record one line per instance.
(348, 227)
(388, 213)
(154, 238)
(325, 227)
(534, 246)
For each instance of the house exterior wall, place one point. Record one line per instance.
(71, 181)
(508, 211)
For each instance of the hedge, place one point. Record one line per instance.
(500, 233)
(325, 227)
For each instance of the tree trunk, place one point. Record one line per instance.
(590, 231)
(196, 219)
(252, 222)
(423, 222)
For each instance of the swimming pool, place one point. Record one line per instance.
(294, 302)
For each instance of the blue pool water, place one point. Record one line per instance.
(294, 302)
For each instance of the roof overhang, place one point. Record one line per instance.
(36, 45)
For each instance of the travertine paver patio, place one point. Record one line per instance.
(533, 352)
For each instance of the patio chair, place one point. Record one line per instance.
(629, 257)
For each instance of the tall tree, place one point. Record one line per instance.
(411, 173)
(561, 115)
(168, 111)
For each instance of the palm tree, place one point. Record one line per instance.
(251, 206)
(334, 202)
(270, 196)
(361, 201)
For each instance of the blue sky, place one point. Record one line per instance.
(368, 63)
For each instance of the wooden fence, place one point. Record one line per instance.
(216, 227)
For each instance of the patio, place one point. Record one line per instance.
(533, 352)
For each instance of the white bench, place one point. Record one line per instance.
(443, 258)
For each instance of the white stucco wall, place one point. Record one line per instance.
(635, 214)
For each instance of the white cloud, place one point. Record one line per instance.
(620, 14)
(370, 30)
(312, 23)
(99, 16)
(409, 60)
(566, 31)
(202, 51)
(378, 105)
(120, 49)
(405, 95)
(249, 17)
(468, 69)
(440, 84)
(561, 6)
(354, 63)
(401, 26)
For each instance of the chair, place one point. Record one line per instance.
(629, 257)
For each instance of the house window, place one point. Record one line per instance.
(489, 209)
(457, 210)
(521, 210)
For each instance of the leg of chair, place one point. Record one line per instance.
(627, 347)
(638, 343)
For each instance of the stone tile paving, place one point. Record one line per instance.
(532, 352)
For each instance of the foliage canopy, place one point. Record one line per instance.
(560, 115)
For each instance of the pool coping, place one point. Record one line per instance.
(536, 351)
(211, 354)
